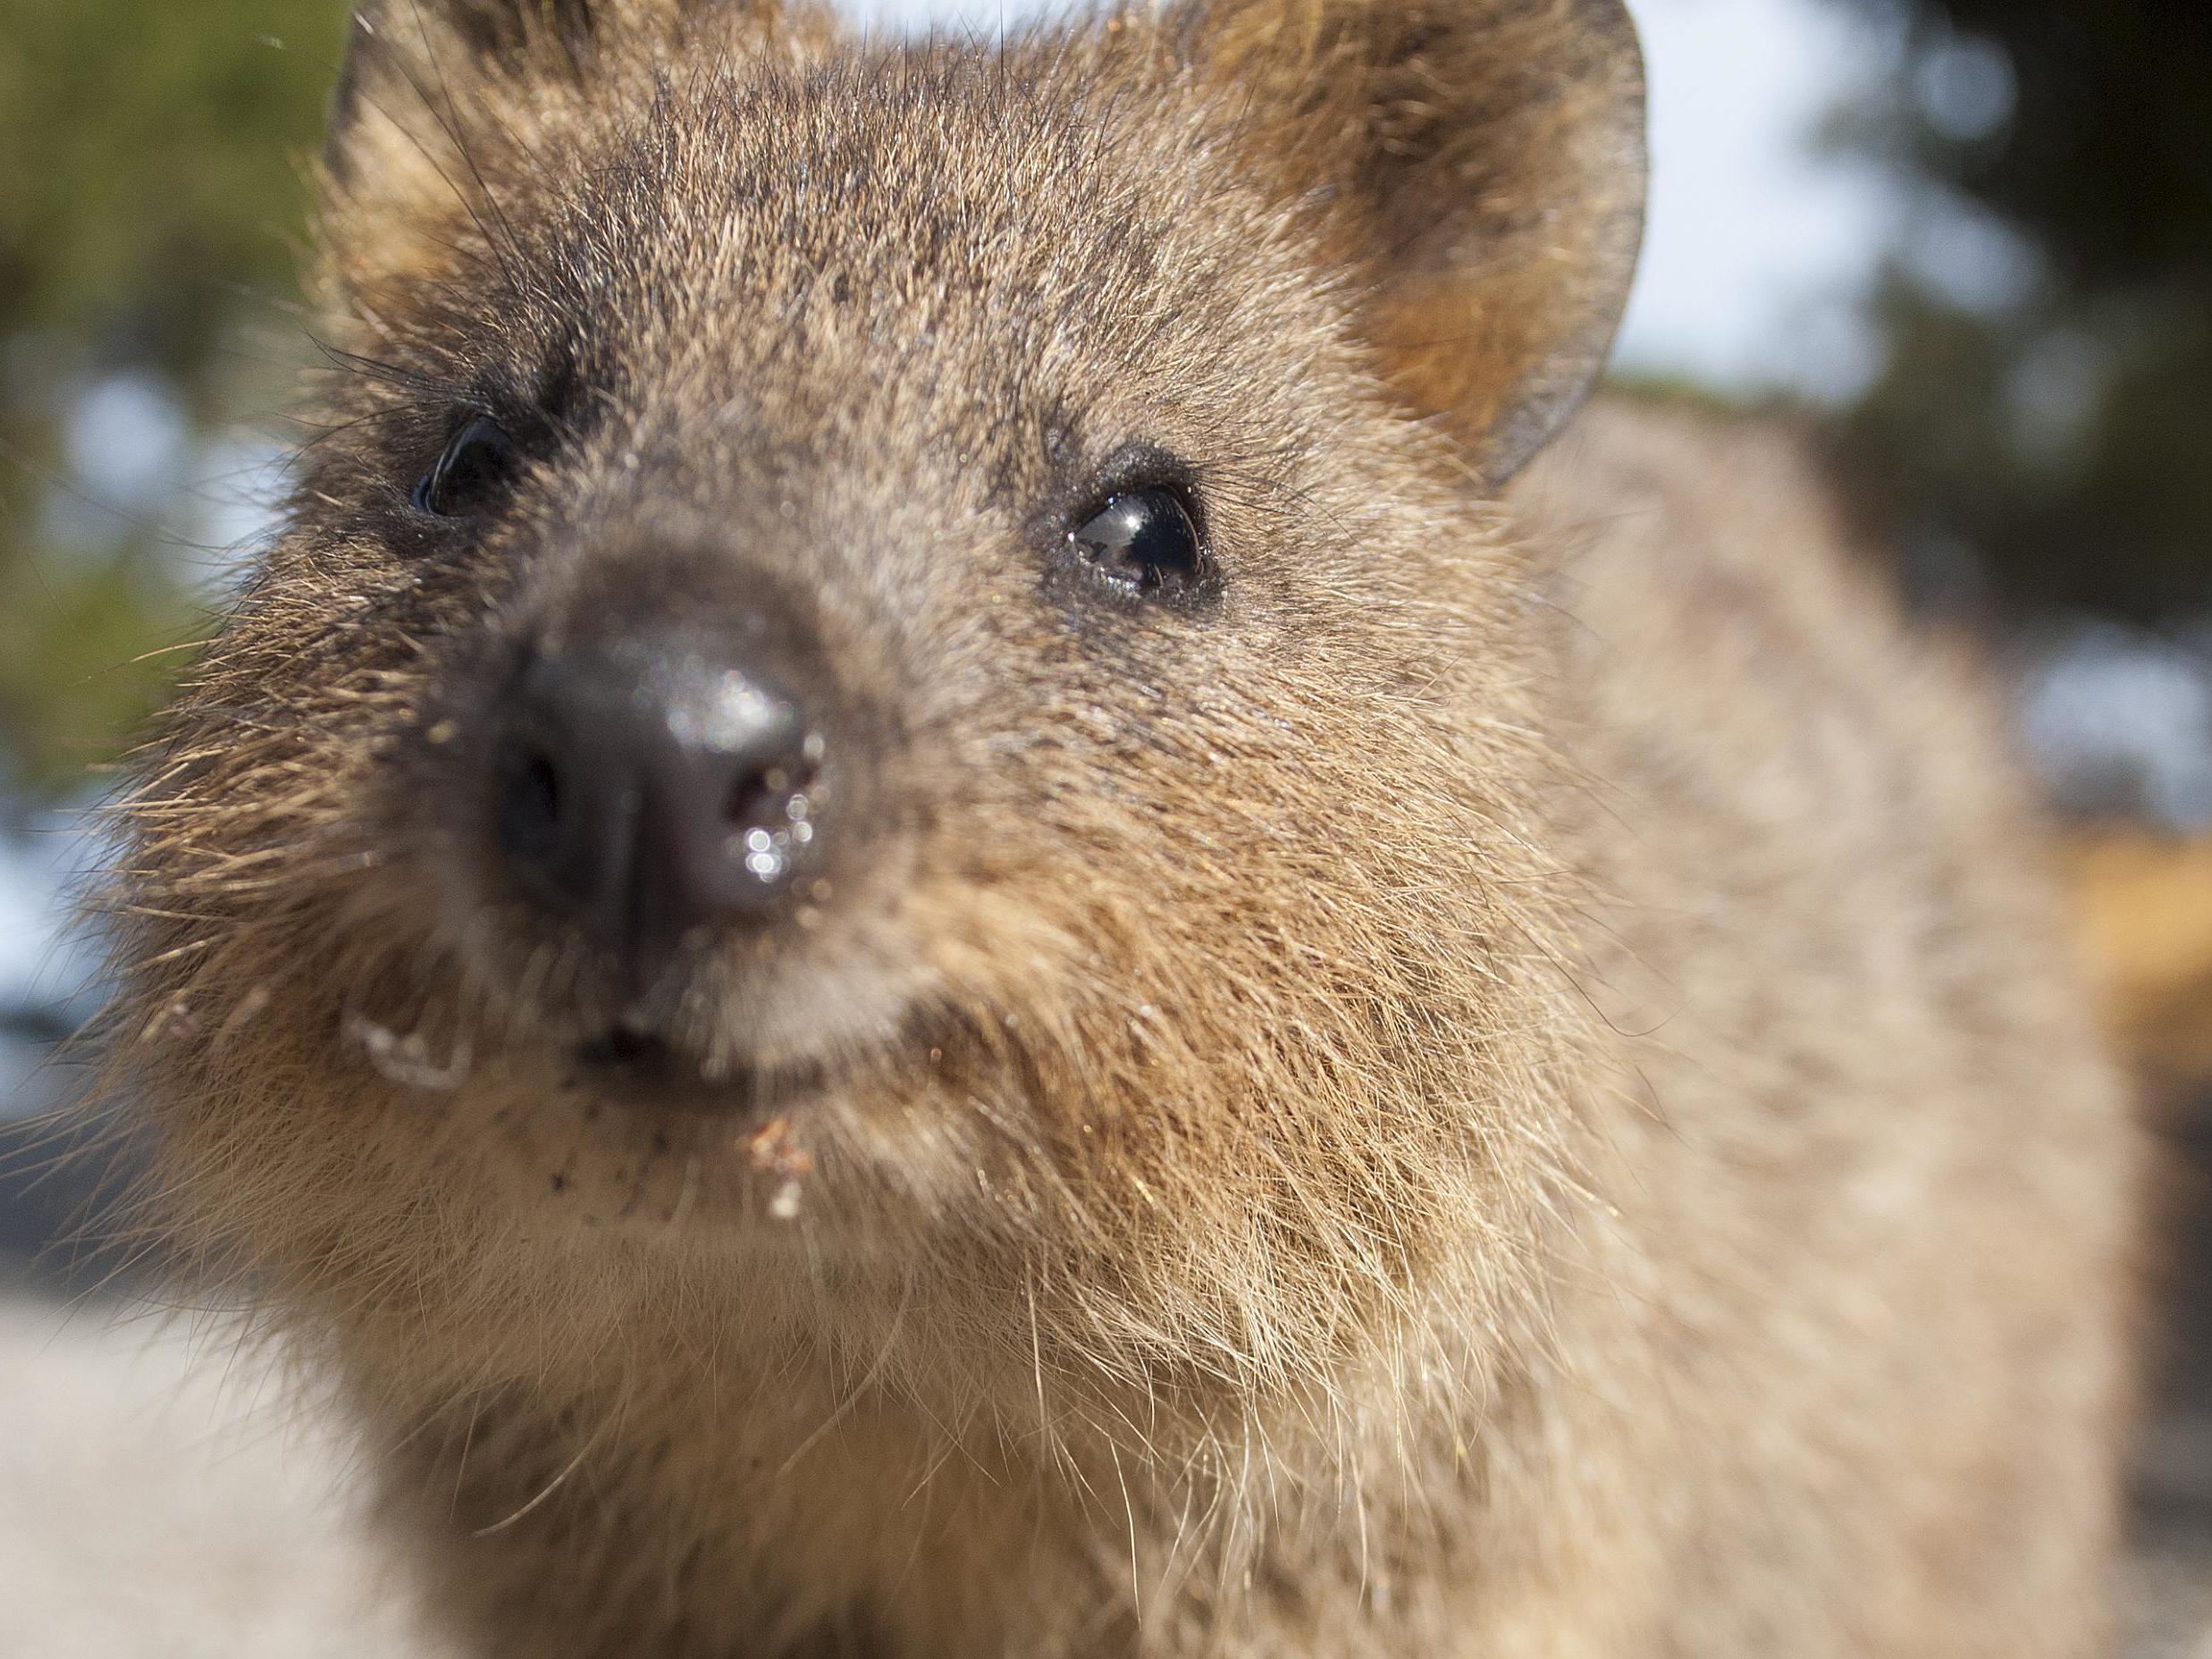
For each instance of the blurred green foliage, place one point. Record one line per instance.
(2042, 434)
(149, 219)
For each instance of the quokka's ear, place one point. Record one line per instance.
(428, 85)
(408, 63)
(1479, 167)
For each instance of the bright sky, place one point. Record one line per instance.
(1756, 246)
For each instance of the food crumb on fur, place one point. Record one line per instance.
(774, 1151)
(406, 1059)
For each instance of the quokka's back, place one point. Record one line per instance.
(912, 918)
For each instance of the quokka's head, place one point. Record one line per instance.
(890, 667)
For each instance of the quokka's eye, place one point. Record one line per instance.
(1144, 541)
(469, 478)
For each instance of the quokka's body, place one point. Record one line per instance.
(913, 918)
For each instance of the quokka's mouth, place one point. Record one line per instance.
(644, 1068)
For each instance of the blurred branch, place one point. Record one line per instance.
(2037, 439)
(37, 1023)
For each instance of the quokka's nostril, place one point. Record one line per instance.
(769, 814)
(769, 799)
(527, 805)
(750, 801)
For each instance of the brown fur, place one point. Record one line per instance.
(1502, 1086)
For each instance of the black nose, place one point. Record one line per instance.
(654, 787)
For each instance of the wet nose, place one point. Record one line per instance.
(654, 787)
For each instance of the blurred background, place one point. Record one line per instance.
(1966, 243)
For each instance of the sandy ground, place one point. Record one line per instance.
(161, 1500)
(163, 1497)
(2171, 1592)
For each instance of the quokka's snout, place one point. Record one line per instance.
(657, 786)
(663, 757)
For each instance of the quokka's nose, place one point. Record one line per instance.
(654, 787)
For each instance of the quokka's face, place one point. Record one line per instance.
(894, 642)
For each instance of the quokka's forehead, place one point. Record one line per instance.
(944, 182)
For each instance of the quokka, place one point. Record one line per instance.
(964, 888)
